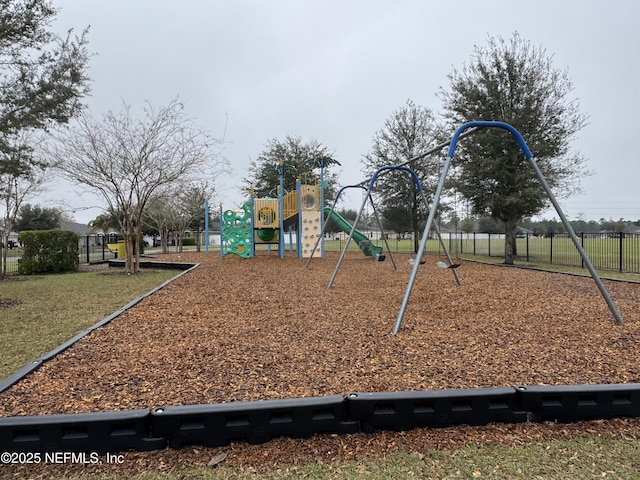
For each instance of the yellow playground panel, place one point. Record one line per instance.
(265, 211)
(290, 205)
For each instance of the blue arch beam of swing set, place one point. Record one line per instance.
(529, 156)
(414, 176)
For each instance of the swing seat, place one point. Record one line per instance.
(444, 265)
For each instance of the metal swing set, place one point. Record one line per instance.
(463, 131)
(367, 198)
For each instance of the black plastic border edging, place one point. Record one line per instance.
(99, 432)
(256, 422)
(438, 408)
(572, 403)
(260, 421)
(35, 364)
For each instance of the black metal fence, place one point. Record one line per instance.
(615, 251)
(607, 251)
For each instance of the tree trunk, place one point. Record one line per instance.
(510, 252)
(164, 240)
(414, 221)
(128, 245)
(136, 246)
(4, 240)
(128, 253)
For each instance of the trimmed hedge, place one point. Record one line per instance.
(48, 251)
(188, 241)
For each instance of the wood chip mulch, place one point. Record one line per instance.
(265, 328)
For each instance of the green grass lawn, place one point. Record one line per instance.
(53, 308)
(584, 458)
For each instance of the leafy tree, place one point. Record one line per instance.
(193, 199)
(105, 222)
(42, 79)
(16, 187)
(348, 214)
(613, 225)
(127, 161)
(512, 81)
(468, 224)
(582, 226)
(407, 133)
(487, 224)
(300, 160)
(37, 217)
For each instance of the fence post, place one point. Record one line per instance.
(474, 243)
(551, 248)
(582, 243)
(621, 255)
(86, 244)
(527, 243)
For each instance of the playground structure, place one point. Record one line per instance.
(268, 221)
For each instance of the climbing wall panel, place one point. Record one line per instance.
(236, 231)
(311, 230)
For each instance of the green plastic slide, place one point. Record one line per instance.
(366, 246)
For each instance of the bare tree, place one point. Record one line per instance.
(158, 218)
(178, 210)
(127, 161)
(408, 132)
(191, 208)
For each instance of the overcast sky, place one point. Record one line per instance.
(335, 70)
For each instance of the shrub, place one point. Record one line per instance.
(48, 251)
(188, 242)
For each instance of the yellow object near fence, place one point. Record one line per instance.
(117, 248)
